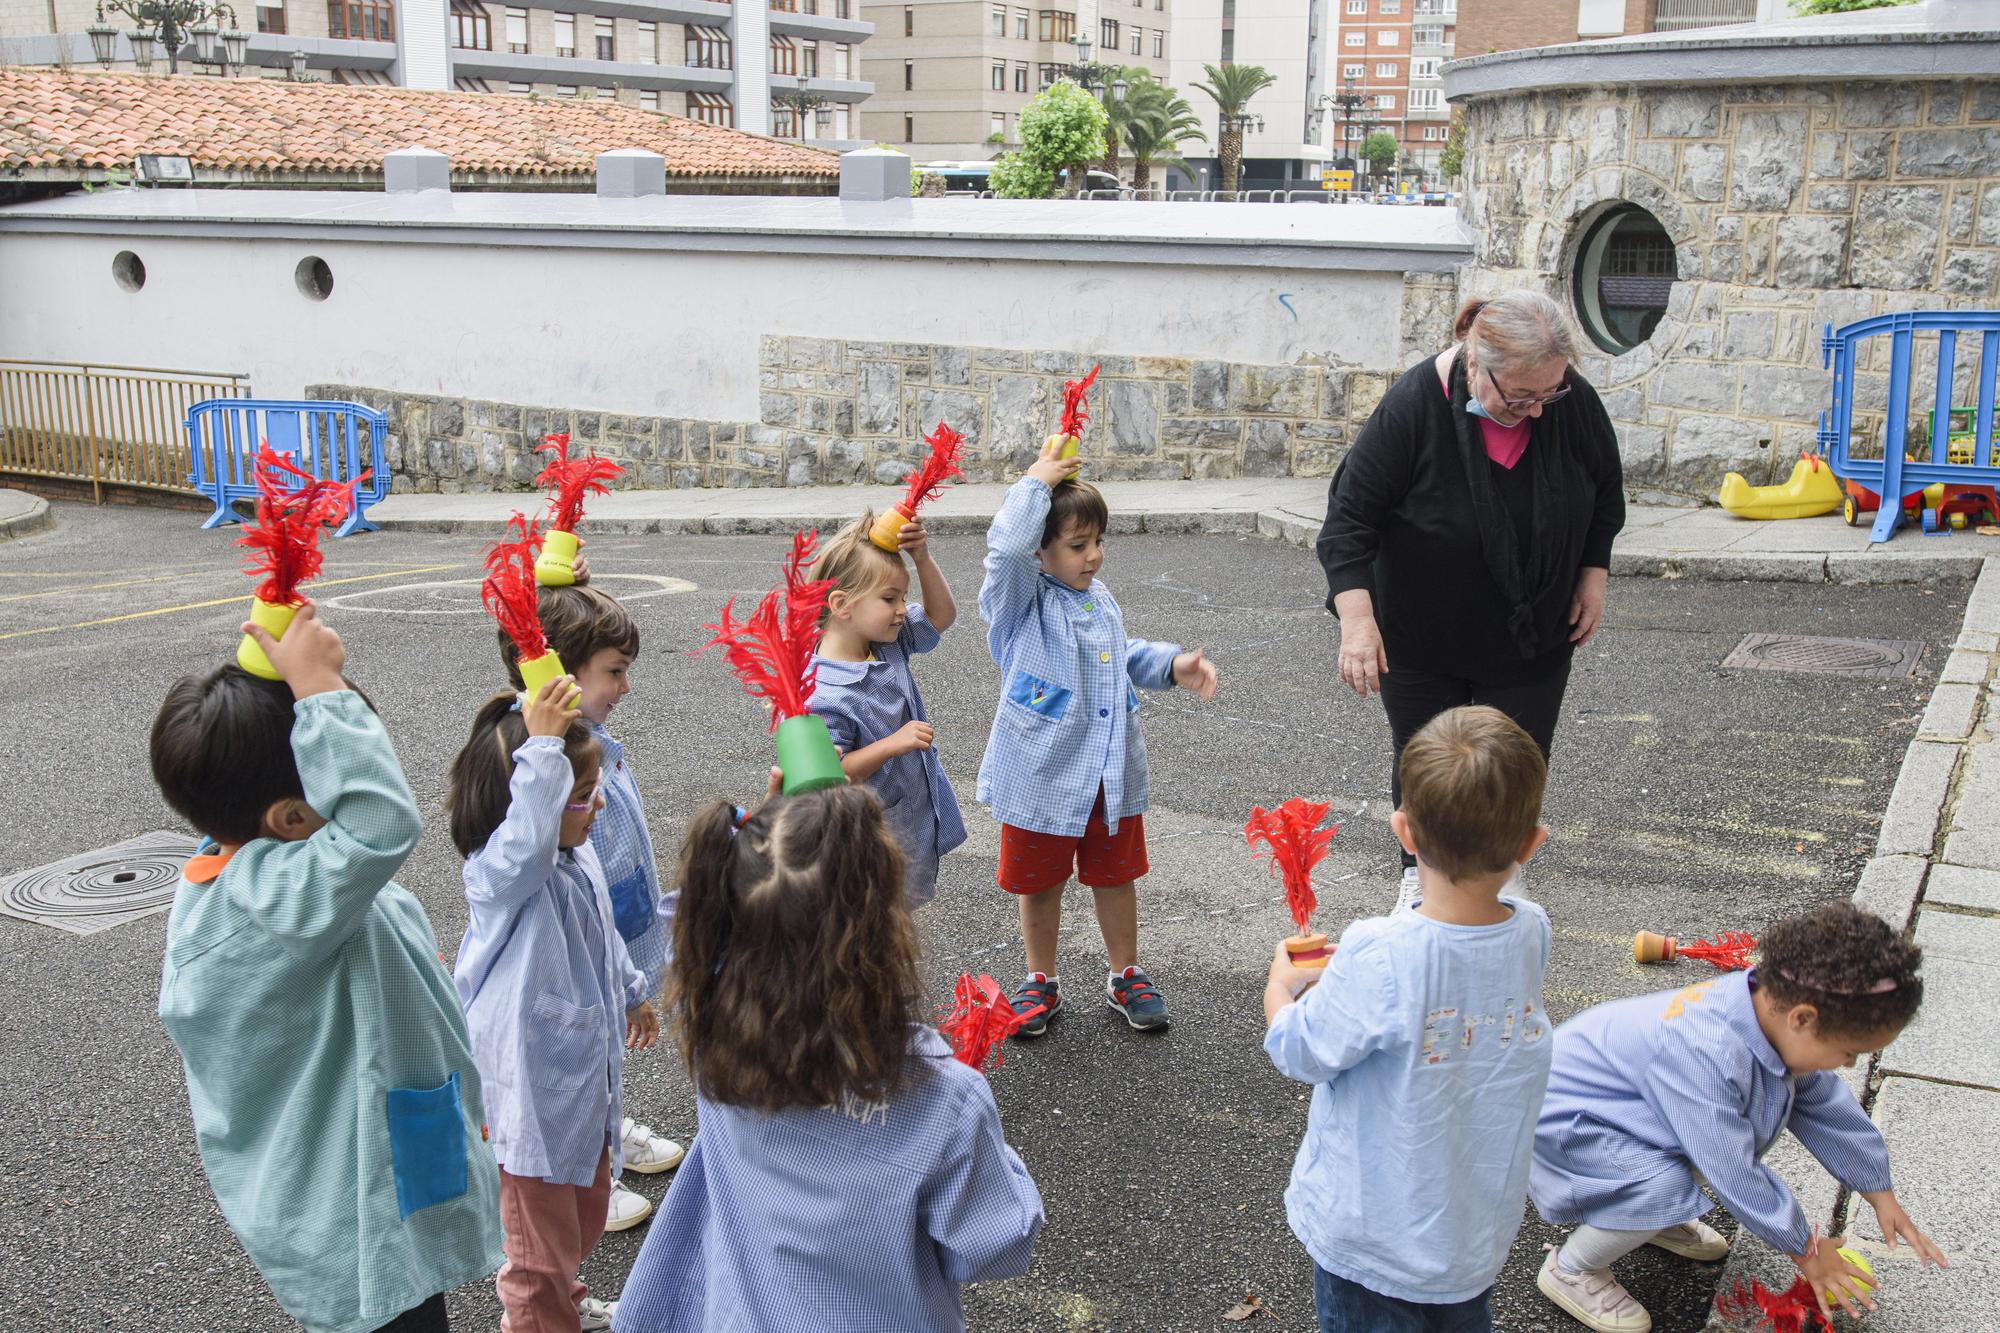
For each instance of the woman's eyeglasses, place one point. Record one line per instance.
(1533, 400)
(578, 807)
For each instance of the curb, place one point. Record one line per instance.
(36, 517)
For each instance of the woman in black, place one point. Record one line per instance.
(1468, 532)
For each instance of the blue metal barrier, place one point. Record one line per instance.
(1892, 476)
(333, 441)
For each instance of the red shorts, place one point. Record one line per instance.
(1032, 863)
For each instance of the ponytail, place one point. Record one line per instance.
(1468, 312)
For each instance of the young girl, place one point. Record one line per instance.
(849, 1174)
(868, 697)
(544, 977)
(1653, 1096)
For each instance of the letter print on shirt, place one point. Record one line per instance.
(862, 1111)
(1447, 1030)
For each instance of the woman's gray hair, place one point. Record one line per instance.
(1514, 331)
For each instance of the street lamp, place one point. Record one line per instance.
(1350, 100)
(170, 22)
(142, 40)
(802, 102)
(298, 74)
(1094, 77)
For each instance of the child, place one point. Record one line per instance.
(311, 1007)
(545, 977)
(596, 637)
(1065, 765)
(1426, 1038)
(850, 1173)
(1655, 1095)
(869, 698)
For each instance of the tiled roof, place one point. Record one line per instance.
(50, 118)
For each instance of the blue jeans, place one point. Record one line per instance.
(1349, 1307)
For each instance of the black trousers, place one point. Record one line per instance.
(430, 1317)
(1412, 698)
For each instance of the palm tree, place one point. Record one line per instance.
(1158, 121)
(1231, 87)
(1119, 111)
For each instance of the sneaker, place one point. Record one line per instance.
(593, 1315)
(628, 1210)
(648, 1153)
(1133, 994)
(1692, 1240)
(1039, 988)
(1410, 893)
(1596, 1300)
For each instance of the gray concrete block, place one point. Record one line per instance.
(873, 175)
(1973, 641)
(410, 170)
(1982, 609)
(1866, 567)
(629, 173)
(1963, 886)
(1890, 886)
(1970, 939)
(1951, 1037)
(1965, 667)
(1910, 823)
(1943, 1187)
(1951, 712)
(1974, 837)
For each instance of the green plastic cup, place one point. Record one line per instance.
(806, 756)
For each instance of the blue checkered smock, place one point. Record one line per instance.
(864, 702)
(1068, 719)
(1647, 1092)
(625, 849)
(864, 1217)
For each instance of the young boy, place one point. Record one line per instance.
(598, 640)
(1426, 1037)
(1065, 765)
(335, 1099)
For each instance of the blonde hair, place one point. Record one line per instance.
(1472, 790)
(855, 563)
(1513, 332)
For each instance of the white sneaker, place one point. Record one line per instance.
(1596, 1300)
(594, 1315)
(1410, 893)
(1692, 1240)
(628, 1210)
(648, 1153)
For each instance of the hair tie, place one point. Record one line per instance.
(520, 704)
(1881, 987)
(737, 815)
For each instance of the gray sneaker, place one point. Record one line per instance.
(1596, 1300)
(593, 1315)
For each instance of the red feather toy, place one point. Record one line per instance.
(1731, 951)
(1075, 410)
(980, 1020)
(292, 505)
(1794, 1311)
(569, 482)
(509, 593)
(1295, 843)
(924, 484)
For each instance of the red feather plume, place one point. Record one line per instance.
(509, 589)
(284, 538)
(569, 480)
(1075, 412)
(1295, 843)
(1794, 1311)
(771, 652)
(1730, 952)
(980, 1020)
(927, 482)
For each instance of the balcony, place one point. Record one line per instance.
(361, 20)
(831, 20)
(1676, 15)
(517, 68)
(654, 11)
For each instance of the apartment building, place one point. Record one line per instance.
(1513, 25)
(951, 75)
(1292, 40)
(1390, 53)
(753, 65)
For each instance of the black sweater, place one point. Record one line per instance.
(1399, 523)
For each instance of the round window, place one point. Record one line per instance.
(315, 279)
(1624, 273)
(128, 270)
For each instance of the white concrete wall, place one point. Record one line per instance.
(657, 332)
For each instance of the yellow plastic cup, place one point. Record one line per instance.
(889, 527)
(539, 671)
(1069, 445)
(1860, 1261)
(555, 566)
(274, 618)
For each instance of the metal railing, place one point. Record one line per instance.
(1674, 15)
(105, 425)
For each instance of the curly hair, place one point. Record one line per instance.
(794, 977)
(1848, 964)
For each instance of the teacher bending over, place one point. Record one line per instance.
(1468, 532)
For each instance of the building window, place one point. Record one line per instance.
(565, 90)
(1424, 67)
(361, 20)
(605, 94)
(809, 60)
(1386, 36)
(709, 48)
(711, 109)
(1000, 76)
(784, 55)
(1428, 34)
(909, 23)
(1160, 5)
(566, 35)
(909, 75)
(1426, 99)
(1431, 133)
(517, 31)
(1058, 25)
(271, 16)
(607, 39)
(471, 30)
(1385, 101)
(1386, 70)
(1021, 25)
(1354, 39)
(1138, 42)
(1357, 6)
(842, 60)
(1624, 274)
(1020, 77)
(1228, 45)
(1390, 7)
(998, 18)
(520, 89)
(649, 45)
(1159, 44)
(1353, 71)
(909, 129)
(1107, 34)
(997, 126)
(648, 100)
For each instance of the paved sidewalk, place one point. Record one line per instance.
(22, 513)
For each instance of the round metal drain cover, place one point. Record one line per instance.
(96, 890)
(1873, 658)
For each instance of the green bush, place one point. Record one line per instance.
(1017, 176)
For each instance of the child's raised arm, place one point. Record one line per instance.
(1012, 567)
(932, 591)
(1836, 1131)
(519, 857)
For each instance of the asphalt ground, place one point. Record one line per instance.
(1684, 798)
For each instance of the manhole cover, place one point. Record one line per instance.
(1880, 659)
(97, 890)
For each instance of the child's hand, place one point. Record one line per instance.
(1896, 1225)
(642, 1026)
(550, 712)
(1296, 980)
(1193, 671)
(911, 737)
(580, 567)
(309, 657)
(1050, 470)
(1822, 1266)
(913, 540)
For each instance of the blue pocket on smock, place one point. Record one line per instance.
(1037, 696)
(631, 905)
(427, 1145)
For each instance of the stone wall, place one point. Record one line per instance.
(838, 412)
(1791, 206)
